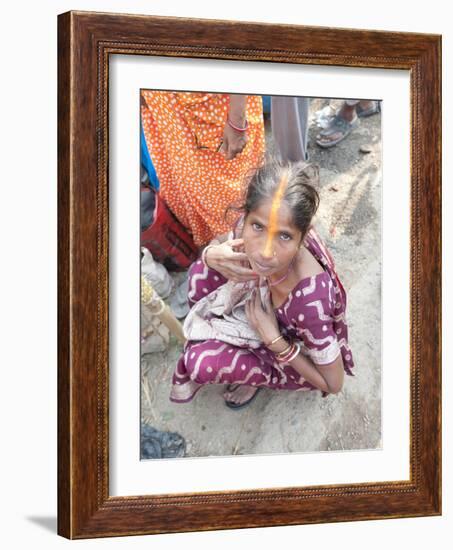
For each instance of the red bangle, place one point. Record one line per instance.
(282, 357)
(237, 127)
(295, 353)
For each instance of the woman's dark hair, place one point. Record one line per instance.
(300, 194)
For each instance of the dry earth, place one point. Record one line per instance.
(349, 220)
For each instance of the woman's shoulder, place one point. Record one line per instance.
(311, 288)
(308, 266)
(314, 283)
(318, 248)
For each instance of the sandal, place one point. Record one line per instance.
(374, 109)
(232, 405)
(338, 125)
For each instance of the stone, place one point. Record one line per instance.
(365, 148)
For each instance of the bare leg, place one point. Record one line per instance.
(339, 127)
(344, 122)
(366, 104)
(347, 112)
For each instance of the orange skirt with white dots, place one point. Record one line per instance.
(183, 131)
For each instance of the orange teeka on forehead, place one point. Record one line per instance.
(273, 216)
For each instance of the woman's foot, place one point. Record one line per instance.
(239, 395)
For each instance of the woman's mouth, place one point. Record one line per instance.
(263, 268)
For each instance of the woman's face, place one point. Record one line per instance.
(271, 240)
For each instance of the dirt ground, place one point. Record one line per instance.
(349, 220)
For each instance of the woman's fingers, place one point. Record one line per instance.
(238, 256)
(230, 262)
(258, 303)
(255, 307)
(249, 313)
(241, 271)
(235, 147)
(235, 271)
(223, 148)
(235, 242)
(238, 278)
(236, 245)
(268, 301)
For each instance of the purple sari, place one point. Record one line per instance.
(313, 314)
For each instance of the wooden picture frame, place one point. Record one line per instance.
(85, 42)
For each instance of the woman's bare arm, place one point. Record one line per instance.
(234, 141)
(328, 377)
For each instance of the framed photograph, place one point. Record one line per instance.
(249, 275)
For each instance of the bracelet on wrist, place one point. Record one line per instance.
(237, 128)
(282, 355)
(290, 353)
(294, 354)
(274, 341)
(203, 255)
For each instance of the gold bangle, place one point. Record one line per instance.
(292, 352)
(284, 352)
(274, 341)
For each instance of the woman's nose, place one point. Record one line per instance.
(266, 247)
(266, 253)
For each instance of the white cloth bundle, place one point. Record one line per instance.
(221, 316)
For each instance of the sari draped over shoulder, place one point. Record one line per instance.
(222, 349)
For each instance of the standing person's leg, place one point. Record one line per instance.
(340, 126)
(348, 109)
(345, 120)
(289, 121)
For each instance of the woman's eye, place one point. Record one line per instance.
(285, 237)
(256, 226)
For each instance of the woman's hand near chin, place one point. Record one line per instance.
(228, 262)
